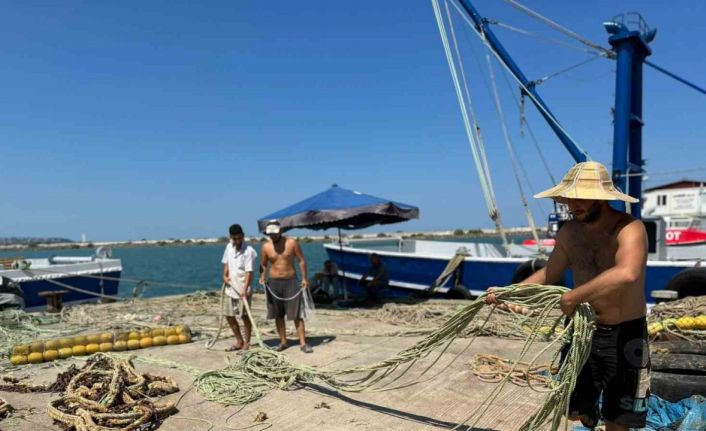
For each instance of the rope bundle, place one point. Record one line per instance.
(108, 394)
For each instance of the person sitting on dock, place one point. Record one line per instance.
(238, 260)
(606, 251)
(284, 296)
(327, 280)
(379, 280)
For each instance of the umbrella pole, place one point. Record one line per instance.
(343, 259)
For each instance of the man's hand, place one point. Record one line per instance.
(262, 279)
(567, 304)
(490, 299)
(305, 283)
(226, 281)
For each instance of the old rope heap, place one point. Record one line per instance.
(262, 369)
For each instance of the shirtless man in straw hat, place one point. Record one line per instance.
(284, 297)
(606, 251)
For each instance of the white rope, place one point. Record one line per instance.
(606, 52)
(269, 289)
(550, 116)
(511, 151)
(479, 155)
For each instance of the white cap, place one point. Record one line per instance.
(273, 227)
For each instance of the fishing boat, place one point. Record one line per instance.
(455, 269)
(34, 283)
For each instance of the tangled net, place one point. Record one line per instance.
(108, 394)
(261, 369)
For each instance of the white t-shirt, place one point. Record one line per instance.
(239, 262)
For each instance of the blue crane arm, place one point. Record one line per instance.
(482, 26)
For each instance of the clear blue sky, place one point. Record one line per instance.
(129, 120)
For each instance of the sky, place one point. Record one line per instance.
(130, 120)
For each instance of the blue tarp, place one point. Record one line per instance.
(686, 415)
(341, 208)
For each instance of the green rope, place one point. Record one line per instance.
(261, 370)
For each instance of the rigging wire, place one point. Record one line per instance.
(671, 75)
(544, 38)
(560, 28)
(510, 149)
(481, 167)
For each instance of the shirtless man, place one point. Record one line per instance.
(606, 251)
(284, 296)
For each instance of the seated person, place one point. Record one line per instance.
(378, 277)
(326, 281)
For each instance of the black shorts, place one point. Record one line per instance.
(618, 367)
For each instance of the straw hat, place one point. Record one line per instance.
(587, 180)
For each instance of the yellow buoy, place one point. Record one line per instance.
(18, 359)
(133, 344)
(36, 348)
(173, 339)
(78, 350)
(183, 329)
(51, 345)
(106, 347)
(20, 350)
(156, 332)
(80, 340)
(35, 358)
(93, 339)
(65, 352)
(701, 322)
(133, 336)
(66, 342)
(184, 338)
(107, 337)
(51, 355)
(121, 336)
(146, 333)
(159, 340)
(92, 348)
(120, 345)
(170, 331)
(146, 342)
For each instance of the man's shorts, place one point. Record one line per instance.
(618, 366)
(283, 298)
(233, 307)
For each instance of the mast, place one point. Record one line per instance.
(631, 47)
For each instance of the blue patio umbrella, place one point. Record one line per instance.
(343, 209)
(340, 208)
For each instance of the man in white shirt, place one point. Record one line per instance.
(238, 260)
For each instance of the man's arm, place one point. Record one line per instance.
(380, 274)
(263, 263)
(226, 274)
(630, 261)
(302, 263)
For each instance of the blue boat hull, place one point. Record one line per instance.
(31, 288)
(409, 273)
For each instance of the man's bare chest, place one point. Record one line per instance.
(591, 253)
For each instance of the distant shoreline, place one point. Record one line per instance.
(445, 234)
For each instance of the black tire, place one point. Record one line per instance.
(458, 292)
(690, 282)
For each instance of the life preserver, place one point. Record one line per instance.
(690, 282)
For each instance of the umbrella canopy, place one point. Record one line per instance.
(340, 208)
